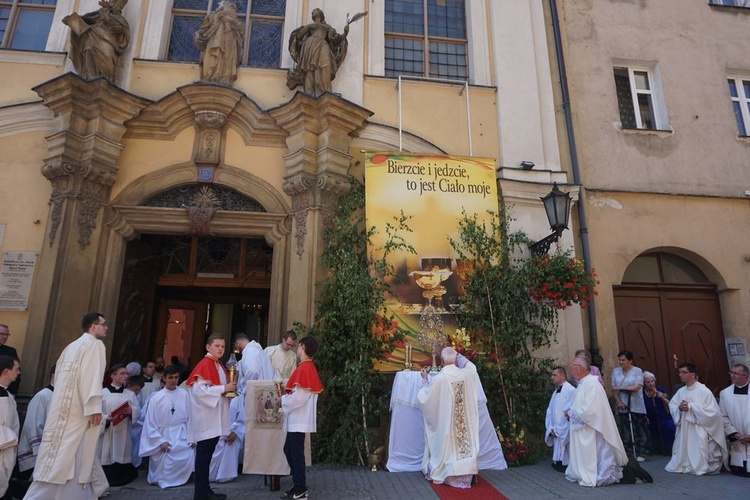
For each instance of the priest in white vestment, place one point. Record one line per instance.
(254, 364)
(164, 435)
(283, 358)
(9, 425)
(451, 423)
(557, 427)
(699, 444)
(33, 426)
(734, 403)
(597, 455)
(67, 466)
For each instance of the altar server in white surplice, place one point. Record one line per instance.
(33, 426)
(597, 456)
(699, 444)
(67, 466)
(735, 410)
(226, 458)
(451, 423)
(557, 433)
(9, 426)
(164, 435)
(116, 441)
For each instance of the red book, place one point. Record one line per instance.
(118, 414)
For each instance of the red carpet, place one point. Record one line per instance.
(482, 490)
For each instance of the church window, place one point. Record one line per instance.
(264, 24)
(25, 24)
(426, 38)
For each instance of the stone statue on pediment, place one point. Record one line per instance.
(98, 39)
(220, 41)
(318, 51)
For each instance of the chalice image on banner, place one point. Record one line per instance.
(431, 334)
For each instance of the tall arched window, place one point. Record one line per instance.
(264, 24)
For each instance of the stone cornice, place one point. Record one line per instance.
(27, 117)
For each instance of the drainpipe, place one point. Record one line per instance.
(584, 230)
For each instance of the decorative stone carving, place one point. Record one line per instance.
(318, 51)
(209, 124)
(202, 209)
(98, 39)
(220, 41)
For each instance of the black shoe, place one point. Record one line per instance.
(559, 467)
(216, 496)
(299, 492)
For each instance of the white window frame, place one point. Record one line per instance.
(743, 100)
(16, 7)
(476, 31)
(659, 109)
(731, 3)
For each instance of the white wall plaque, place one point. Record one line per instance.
(16, 274)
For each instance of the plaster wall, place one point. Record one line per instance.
(142, 156)
(437, 113)
(24, 193)
(629, 224)
(23, 70)
(692, 48)
(266, 163)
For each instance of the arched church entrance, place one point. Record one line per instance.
(197, 259)
(668, 313)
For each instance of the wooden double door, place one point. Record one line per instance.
(664, 326)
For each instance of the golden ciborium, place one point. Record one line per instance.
(430, 282)
(232, 369)
(431, 334)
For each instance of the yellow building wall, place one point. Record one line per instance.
(19, 77)
(143, 156)
(156, 79)
(24, 193)
(266, 163)
(437, 113)
(629, 224)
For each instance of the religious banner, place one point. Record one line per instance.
(434, 191)
(16, 274)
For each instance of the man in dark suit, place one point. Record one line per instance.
(9, 351)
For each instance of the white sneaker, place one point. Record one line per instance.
(640, 459)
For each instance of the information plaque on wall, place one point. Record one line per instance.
(15, 280)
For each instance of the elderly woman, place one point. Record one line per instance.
(660, 421)
(627, 385)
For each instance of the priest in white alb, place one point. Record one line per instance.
(734, 403)
(283, 358)
(450, 412)
(67, 466)
(9, 425)
(164, 435)
(557, 427)
(597, 456)
(699, 444)
(33, 426)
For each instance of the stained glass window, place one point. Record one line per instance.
(264, 24)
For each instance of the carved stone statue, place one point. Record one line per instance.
(98, 39)
(220, 40)
(318, 51)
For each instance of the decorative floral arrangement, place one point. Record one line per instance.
(461, 342)
(561, 279)
(515, 451)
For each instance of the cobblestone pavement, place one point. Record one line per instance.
(531, 482)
